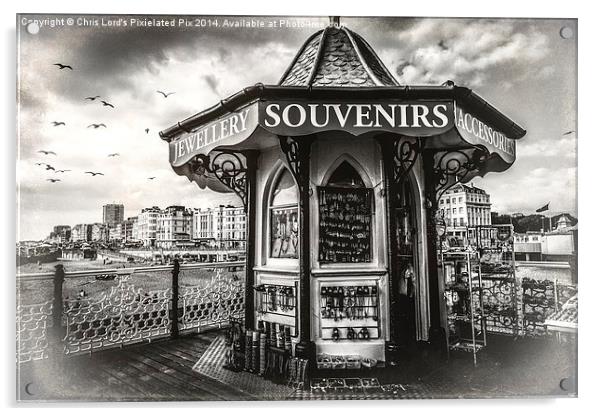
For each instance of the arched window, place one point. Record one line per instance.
(284, 217)
(345, 208)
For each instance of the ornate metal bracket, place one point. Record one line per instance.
(406, 151)
(229, 167)
(452, 166)
(297, 151)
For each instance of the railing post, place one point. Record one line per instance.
(57, 310)
(175, 331)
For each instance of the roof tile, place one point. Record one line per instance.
(337, 57)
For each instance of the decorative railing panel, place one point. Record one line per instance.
(111, 308)
(33, 323)
(122, 316)
(214, 303)
(538, 301)
(500, 305)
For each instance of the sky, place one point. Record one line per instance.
(524, 67)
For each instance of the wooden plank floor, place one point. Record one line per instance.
(160, 370)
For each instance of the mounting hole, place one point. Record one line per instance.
(567, 384)
(566, 32)
(30, 389)
(33, 28)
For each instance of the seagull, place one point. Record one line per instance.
(95, 173)
(146, 130)
(53, 180)
(58, 123)
(48, 167)
(165, 95)
(568, 132)
(63, 170)
(106, 104)
(97, 125)
(113, 154)
(92, 98)
(47, 152)
(61, 66)
(151, 178)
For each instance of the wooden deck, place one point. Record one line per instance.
(160, 370)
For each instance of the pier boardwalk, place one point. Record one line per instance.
(163, 370)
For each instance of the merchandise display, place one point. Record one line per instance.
(466, 328)
(345, 225)
(349, 312)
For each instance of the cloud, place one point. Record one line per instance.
(465, 51)
(127, 65)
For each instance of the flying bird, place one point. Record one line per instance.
(147, 130)
(48, 167)
(442, 45)
(61, 66)
(568, 132)
(63, 170)
(47, 152)
(92, 98)
(113, 154)
(97, 125)
(95, 173)
(152, 177)
(58, 123)
(164, 94)
(53, 180)
(106, 104)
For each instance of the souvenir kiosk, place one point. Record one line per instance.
(340, 169)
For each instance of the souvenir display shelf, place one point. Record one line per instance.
(464, 300)
(349, 313)
(494, 245)
(278, 304)
(345, 218)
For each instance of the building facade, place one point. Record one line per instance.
(112, 214)
(203, 229)
(81, 233)
(60, 234)
(174, 227)
(465, 205)
(146, 227)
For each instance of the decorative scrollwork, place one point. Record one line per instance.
(120, 316)
(229, 167)
(216, 303)
(33, 322)
(406, 151)
(231, 170)
(297, 151)
(537, 301)
(453, 166)
(499, 305)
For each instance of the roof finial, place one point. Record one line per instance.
(335, 21)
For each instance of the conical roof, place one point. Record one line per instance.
(337, 57)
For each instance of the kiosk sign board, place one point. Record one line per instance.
(419, 118)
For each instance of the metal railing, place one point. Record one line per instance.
(86, 311)
(519, 307)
